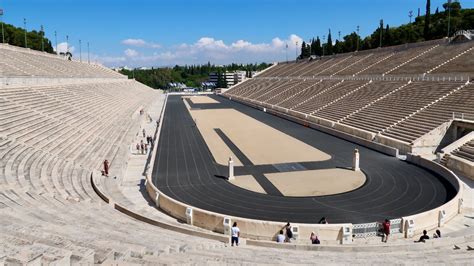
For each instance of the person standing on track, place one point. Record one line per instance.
(235, 234)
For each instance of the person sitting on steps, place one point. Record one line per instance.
(314, 239)
(423, 238)
(280, 237)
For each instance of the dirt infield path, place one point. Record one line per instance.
(262, 144)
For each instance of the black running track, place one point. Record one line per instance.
(186, 171)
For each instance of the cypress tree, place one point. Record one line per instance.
(318, 49)
(329, 47)
(387, 36)
(426, 30)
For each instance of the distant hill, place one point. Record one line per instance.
(16, 36)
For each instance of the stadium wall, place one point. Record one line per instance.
(329, 234)
(431, 219)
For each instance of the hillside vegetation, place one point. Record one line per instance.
(16, 36)
(192, 76)
(423, 28)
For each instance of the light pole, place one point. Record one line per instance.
(42, 38)
(322, 43)
(381, 32)
(67, 44)
(1, 20)
(80, 50)
(339, 34)
(24, 24)
(358, 38)
(296, 51)
(89, 60)
(310, 43)
(449, 16)
(410, 14)
(56, 40)
(286, 52)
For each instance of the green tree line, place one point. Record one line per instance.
(191, 75)
(423, 28)
(16, 36)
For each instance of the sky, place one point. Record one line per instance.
(149, 33)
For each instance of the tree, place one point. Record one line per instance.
(304, 50)
(455, 7)
(381, 32)
(338, 47)
(318, 50)
(387, 36)
(426, 31)
(16, 36)
(329, 47)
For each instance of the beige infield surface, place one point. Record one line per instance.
(263, 144)
(317, 182)
(248, 182)
(202, 99)
(260, 143)
(307, 183)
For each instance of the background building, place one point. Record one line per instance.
(226, 79)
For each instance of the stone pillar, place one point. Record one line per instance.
(455, 133)
(355, 160)
(231, 169)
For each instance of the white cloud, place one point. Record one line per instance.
(207, 49)
(130, 53)
(140, 43)
(63, 47)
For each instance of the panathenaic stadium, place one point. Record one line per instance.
(356, 138)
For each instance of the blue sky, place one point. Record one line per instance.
(168, 32)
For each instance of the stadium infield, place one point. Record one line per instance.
(186, 170)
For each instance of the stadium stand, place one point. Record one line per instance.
(435, 58)
(18, 62)
(466, 151)
(390, 110)
(385, 99)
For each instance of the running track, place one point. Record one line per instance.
(186, 171)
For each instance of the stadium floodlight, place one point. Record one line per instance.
(24, 24)
(1, 21)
